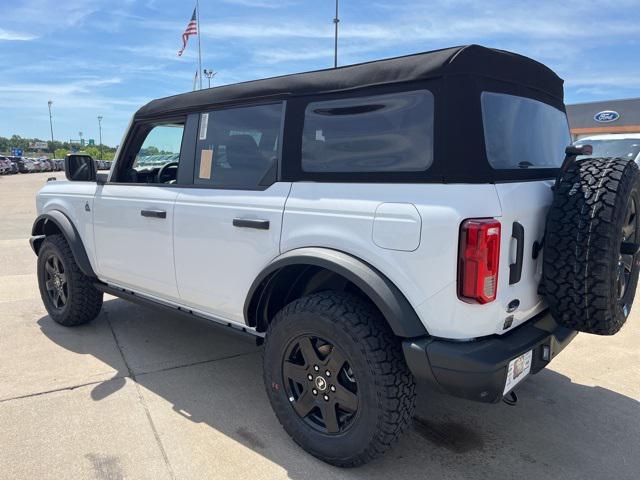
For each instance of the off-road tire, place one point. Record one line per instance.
(582, 245)
(386, 388)
(84, 301)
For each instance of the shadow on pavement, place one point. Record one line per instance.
(559, 429)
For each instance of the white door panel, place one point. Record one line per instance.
(216, 262)
(134, 250)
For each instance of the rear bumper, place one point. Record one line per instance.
(477, 370)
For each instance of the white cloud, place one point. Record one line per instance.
(78, 94)
(15, 36)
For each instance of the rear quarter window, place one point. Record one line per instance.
(377, 133)
(522, 133)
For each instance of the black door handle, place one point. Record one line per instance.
(515, 269)
(153, 213)
(247, 223)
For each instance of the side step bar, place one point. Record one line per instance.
(244, 333)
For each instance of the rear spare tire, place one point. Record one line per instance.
(590, 264)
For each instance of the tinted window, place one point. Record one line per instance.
(523, 133)
(239, 147)
(377, 133)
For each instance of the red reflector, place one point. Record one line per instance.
(478, 260)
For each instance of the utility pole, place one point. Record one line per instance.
(336, 20)
(81, 140)
(100, 133)
(53, 153)
(209, 74)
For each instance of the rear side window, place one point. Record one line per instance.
(378, 133)
(239, 147)
(522, 133)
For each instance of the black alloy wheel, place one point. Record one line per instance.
(320, 384)
(628, 247)
(55, 279)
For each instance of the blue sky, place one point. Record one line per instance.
(110, 57)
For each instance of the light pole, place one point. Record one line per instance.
(100, 133)
(209, 74)
(81, 141)
(53, 153)
(336, 20)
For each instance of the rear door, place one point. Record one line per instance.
(522, 134)
(227, 226)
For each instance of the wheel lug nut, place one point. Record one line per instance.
(314, 391)
(316, 368)
(326, 398)
(333, 388)
(310, 377)
(327, 373)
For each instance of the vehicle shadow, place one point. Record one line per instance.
(208, 376)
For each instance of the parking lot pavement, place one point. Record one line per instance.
(142, 394)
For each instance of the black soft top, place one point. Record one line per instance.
(470, 60)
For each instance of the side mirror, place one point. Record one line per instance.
(575, 150)
(80, 168)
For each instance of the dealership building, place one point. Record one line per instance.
(609, 116)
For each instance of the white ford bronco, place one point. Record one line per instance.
(413, 218)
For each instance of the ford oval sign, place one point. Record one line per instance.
(606, 116)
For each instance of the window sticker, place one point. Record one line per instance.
(204, 124)
(206, 161)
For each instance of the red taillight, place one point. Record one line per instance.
(478, 260)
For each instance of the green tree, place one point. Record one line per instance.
(61, 153)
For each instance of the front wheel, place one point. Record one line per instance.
(336, 378)
(68, 295)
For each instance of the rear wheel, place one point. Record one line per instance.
(336, 378)
(68, 295)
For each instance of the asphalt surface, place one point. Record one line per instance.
(141, 394)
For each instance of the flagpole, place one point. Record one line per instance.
(199, 49)
(336, 20)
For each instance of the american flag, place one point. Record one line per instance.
(192, 29)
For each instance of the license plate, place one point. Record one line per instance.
(518, 369)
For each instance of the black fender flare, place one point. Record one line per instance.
(391, 302)
(68, 229)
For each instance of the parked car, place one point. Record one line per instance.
(103, 165)
(14, 168)
(37, 165)
(622, 145)
(24, 165)
(5, 166)
(46, 165)
(338, 218)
